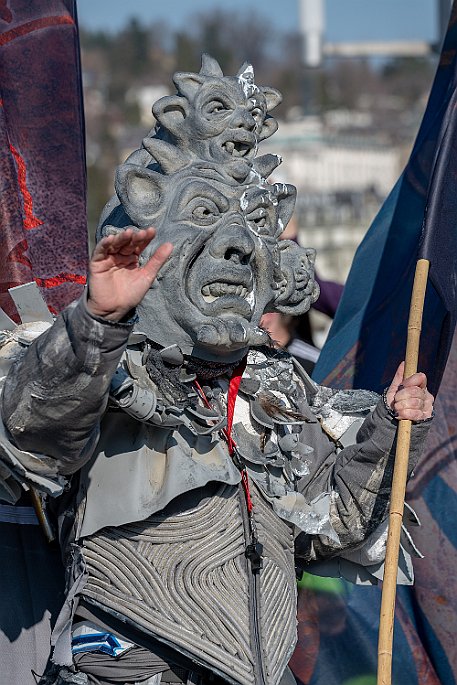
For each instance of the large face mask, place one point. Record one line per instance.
(210, 198)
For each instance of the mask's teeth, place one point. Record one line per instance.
(211, 291)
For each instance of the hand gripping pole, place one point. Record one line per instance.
(386, 624)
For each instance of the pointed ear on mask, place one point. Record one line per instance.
(188, 84)
(140, 191)
(286, 195)
(210, 67)
(272, 96)
(269, 126)
(170, 111)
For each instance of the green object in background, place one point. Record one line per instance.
(361, 680)
(334, 586)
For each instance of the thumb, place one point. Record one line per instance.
(157, 260)
(396, 382)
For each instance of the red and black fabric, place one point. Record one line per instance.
(43, 238)
(43, 234)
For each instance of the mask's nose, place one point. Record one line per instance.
(242, 118)
(234, 244)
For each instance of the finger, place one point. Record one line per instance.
(411, 415)
(143, 237)
(409, 403)
(396, 381)
(398, 378)
(415, 409)
(101, 249)
(157, 260)
(405, 393)
(127, 241)
(419, 379)
(111, 244)
(132, 241)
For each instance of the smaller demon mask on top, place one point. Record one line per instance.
(197, 181)
(215, 117)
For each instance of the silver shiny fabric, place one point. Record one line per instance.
(162, 575)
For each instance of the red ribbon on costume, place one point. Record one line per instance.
(233, 389)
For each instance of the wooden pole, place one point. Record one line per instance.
(386, 625)
(41, 516)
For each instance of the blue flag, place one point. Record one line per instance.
(419, 219)
(339, 623)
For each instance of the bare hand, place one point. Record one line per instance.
(116, 281)
(409, 398)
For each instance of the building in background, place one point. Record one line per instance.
(346, 124)
(342, 175)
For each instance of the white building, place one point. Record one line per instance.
(319, 161)
(341, 179)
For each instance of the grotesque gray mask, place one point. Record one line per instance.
(196, 179)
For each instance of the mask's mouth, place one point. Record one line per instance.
(211, 291)
(235, 149)
(240, 144)
(295, 288)
(227, 303)
(227, 295)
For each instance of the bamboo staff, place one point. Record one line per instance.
(386, 625)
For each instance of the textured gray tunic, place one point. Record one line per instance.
(174, 565)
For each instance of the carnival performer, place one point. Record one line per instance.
(199, 466)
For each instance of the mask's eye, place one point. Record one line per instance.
(200, 203)
(216, 107)
(203, 211)
(259, 221)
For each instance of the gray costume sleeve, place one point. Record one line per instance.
(358, 479)
(55, 395)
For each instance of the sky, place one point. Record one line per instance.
(345, 19)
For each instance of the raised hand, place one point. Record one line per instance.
(409, 398)
(117, 283)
